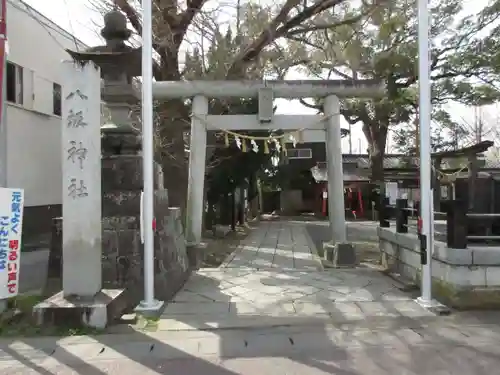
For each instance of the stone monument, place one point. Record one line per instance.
(122, 179)
(82, 300)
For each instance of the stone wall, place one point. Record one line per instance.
(123, 251)
(123, 255)
(461, 278)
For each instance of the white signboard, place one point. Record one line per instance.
(391, 191)
(11, 224)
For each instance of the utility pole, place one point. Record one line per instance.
(3, 84)
(426, 192)
(3, 91)
(149, 304)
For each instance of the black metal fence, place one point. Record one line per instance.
(458, 222)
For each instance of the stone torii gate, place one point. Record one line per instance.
(265, 91)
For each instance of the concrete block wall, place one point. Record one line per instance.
(462, 278)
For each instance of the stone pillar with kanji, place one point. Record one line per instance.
(82, 301)
(81, 182)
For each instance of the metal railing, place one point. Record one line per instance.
(458, 222)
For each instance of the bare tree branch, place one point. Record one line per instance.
(305, 29)
(265, 38)
(274, 31)
(131, 13)
(193, 8)
(310, 105)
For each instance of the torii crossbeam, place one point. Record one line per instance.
(265, 91)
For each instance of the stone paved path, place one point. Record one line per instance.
(441, 347)
(286, 317)
(275, 278)
(276, 245)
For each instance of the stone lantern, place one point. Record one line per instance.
(119, 64)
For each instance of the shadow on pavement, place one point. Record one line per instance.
(412, 346)
(196, 352)
(268, 339)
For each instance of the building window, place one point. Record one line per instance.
(14, 83)
(56, 94)
(299, 153)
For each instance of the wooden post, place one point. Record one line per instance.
(456, 225)
(383, 213)
(471, 180)
(402, 215)
(233, 210)
(436, 183)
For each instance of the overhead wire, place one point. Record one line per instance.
(36, 16)
(71, 24)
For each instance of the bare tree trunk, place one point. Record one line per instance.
(376, 165)
(173, 116)
(376, 137)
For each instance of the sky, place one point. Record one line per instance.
(79, 18)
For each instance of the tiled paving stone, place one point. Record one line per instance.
(359, 352)
(273, 279)
(193, 308)
(275, 245)
(186, 296)
(378, 309)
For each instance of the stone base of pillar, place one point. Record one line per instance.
(196, 254)
(152, 310)
(341, 255)
(97, 312)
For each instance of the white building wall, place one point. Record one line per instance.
(33, 130)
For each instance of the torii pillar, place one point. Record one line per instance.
(266, 91)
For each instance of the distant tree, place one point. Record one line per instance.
(190, 24)
(446, 134)
(384, 46)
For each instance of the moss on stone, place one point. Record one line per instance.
(453, 296)
(463, 298)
